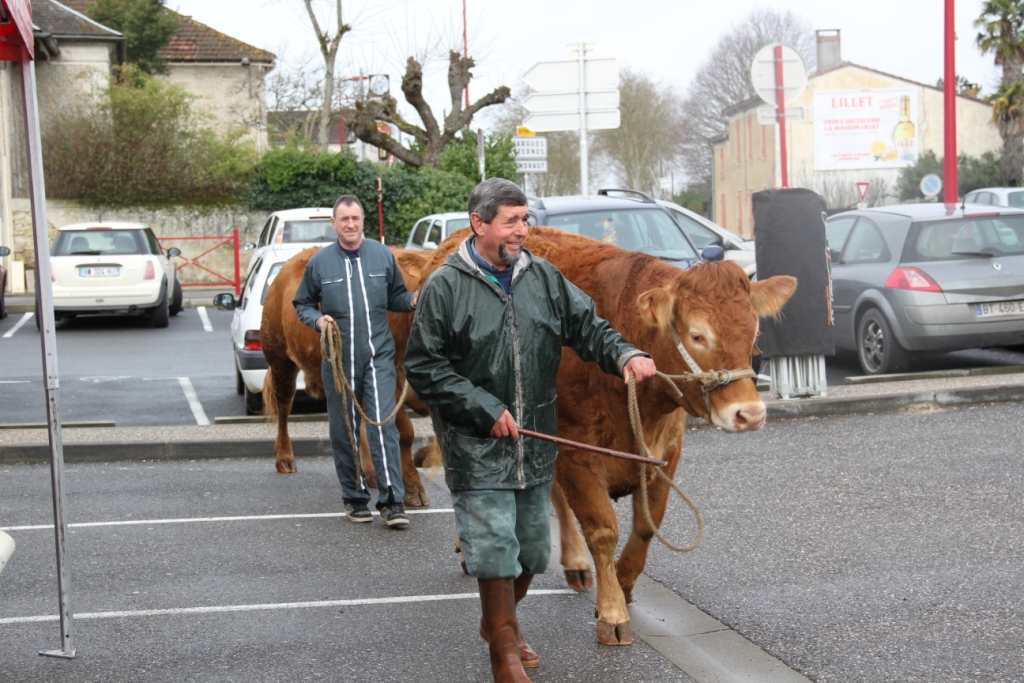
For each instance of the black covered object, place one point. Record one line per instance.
(789, 230)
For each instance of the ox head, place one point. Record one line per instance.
(713, 310)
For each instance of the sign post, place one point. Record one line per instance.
(779, 78)
(17, 45)
(862, 192)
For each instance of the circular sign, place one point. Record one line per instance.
(763, 72)
(931, 185)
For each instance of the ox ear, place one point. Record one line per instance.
(768, 296)
(412, 261)
(656, 307)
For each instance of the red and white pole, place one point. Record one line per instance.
(950, 185)
(780, 114)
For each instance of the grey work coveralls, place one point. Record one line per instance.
(357, 293)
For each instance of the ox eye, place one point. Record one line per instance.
(697, 338)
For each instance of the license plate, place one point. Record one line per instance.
(998, 308)
(99, 272)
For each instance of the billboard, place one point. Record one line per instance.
(865, 129)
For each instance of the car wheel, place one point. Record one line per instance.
(253, 402)
(239, 383)
(159, 315)
(877, 349)
(177, 300)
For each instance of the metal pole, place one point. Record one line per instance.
(584, 170)
(465, 47)
(380, 209)
(480, 153)
(238, 262)
(950, 185)
(48, 339)
(780, 103)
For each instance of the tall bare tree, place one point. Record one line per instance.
(649, 139)
(329, 42)
(430, 138)
(724, 80)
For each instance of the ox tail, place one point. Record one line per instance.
(270, 408)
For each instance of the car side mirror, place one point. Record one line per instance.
(225, 301)
(5, 251)
(248, 246)
(173, 251)
(430, 245)
(713, 253)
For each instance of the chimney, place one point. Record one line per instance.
(828, 49)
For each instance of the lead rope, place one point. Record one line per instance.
(330, 348)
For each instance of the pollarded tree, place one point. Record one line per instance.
(1001, 32)
(329, 41)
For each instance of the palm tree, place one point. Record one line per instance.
(1001, 32)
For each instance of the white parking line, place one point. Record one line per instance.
(189, 520)
(18, 325)
(193, 401)
(205, 318)
(215, 609)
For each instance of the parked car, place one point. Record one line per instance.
(705, 233)
(627, 218)
(4, 251)
(113, 268)
(250, 363)
(430, 231)
(997, 196)
(294, 229)
(926, 278)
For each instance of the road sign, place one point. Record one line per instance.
(531, 165)
(596, 120)
(862, 190)
(523, 131)
(763, 73)
(530, 148)
(564, 75)
(768, 116)
(931, 185)
(556, 102)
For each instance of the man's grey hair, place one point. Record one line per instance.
(347, 200)
(488, 197)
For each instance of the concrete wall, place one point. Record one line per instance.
(169, 223)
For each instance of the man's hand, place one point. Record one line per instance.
(505, 426)
(641, 366)
(415, 298)
(322, 320)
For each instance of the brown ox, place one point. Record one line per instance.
(290, 346)
(714, 308)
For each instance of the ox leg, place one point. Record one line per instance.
(588, 497)
(415, 493)
(633, 559)
(575, 558)
(282, 383)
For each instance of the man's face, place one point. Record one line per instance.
(348, 224)
(501, 240)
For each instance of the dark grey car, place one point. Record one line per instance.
(926, 278)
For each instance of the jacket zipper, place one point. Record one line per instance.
(520, 455)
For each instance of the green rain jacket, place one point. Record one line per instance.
(475, 351)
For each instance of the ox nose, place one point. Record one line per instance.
(749, 417)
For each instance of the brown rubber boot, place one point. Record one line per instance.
(527, 656)
(498, 604)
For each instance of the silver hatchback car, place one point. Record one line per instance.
(926, 278)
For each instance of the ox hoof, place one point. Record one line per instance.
(416, 499)
(614, 634)
(579, 579)
(287, 467)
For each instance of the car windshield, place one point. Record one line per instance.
(651, 231)
(977, 236)
(457, 224)
(97, 242)
(317, 230)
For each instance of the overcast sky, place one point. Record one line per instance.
(667, 39)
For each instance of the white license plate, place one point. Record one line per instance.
(99, 272)
(998, 308)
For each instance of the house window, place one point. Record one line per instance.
(721, 162)
(739, 209)
(723, 216)
(764, 147)
(750, 137)
(739, 142)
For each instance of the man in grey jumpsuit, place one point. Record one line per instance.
(355, 282)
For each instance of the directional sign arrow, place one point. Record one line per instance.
(545, 102)
(564, 76)
(596, 120)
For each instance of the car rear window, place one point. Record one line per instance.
(966, 237)
(98, 242)
(320, 230)
(651, 231)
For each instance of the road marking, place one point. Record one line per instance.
(193, 401)
(101, 379)
(15, 381)
(188, 520)
(205, 318)
(18, 325)
(217, 609)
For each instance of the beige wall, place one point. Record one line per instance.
(233, 94)
(976, 134)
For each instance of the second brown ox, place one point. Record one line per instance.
(714, 309)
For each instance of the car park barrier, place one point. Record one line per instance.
(232, 240)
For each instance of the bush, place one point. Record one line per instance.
(141, 142)
(461, 156)
(972, 173)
